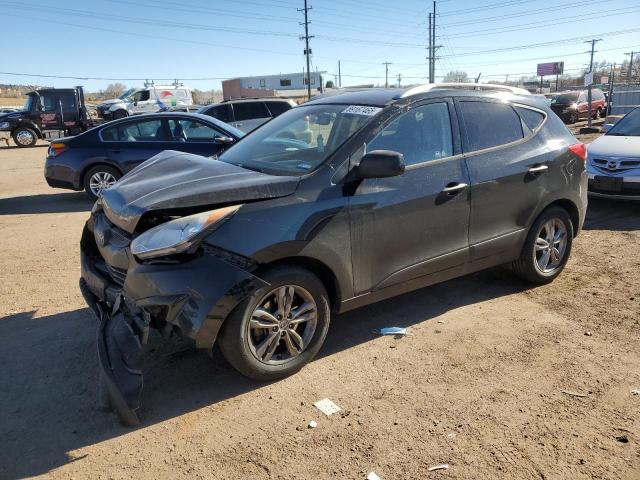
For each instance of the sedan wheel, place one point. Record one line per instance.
(282, 325)
(100, 181)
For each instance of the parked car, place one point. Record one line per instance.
(572, 106)
(7, 110)
(48, 111)
(395, 190)
(613, 163)
(248, 113)
(150, 99)
(96, 159)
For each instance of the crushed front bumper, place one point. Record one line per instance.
(192, 298)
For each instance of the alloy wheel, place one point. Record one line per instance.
(100, 181)
(550, 246)
(282, 325)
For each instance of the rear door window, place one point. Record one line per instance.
(421, 134)
(249, 111)
(145, 131)
(489, 124)
(277, 108)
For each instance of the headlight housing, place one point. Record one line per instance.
(177, 236)
(4, 125)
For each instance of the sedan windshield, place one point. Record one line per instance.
(300, 140)
(628, 126)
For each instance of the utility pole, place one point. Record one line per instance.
(339, 76)
(629, 73)
(399, 79)
(306, 38)
(430, 45)
(611, 80)
(386, 74)
(433, 44)
(593, 46)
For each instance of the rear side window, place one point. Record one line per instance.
(531, 119)
(489, 124)
(221, 112)
(276, 108)
(249, 111)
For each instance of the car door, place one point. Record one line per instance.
(142, 102)
(48, 106)
(130, 143)
(508, 167)
(194, 136)
(248, 116)
(582, 105)
(415, 225)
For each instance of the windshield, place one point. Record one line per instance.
(628, 126)
(28, 103)
(300, 140)
(126, 93)
(566, 98)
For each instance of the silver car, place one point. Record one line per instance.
(613, 160)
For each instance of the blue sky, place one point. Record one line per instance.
(219, 39)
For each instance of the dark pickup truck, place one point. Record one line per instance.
(48, 112)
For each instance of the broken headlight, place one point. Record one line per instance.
(180, 234)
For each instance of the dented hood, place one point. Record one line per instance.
(175, 180)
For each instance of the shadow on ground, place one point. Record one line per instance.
(15, 147)
(617, 215)
(45, 203)
(48, 389)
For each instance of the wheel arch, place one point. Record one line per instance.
(89, 166)
(571, 208)
(30, 125)
(318, 268)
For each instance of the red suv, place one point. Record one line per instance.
(571, 106)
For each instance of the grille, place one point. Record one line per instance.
(615, 165)
(117, 274)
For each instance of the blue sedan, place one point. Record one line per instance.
(97, 158)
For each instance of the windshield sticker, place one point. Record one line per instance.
(360, 110)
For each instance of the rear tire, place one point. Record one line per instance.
(245, 343)
(24, 137)
(99, 178)
(547, 247)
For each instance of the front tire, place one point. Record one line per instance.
(98, 179)
(24, 137)
(547, 248)
(279, 328)
(120, 114)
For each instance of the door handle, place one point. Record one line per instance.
(238, 124)
(455, 188)
(539, 169)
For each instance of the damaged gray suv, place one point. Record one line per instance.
(340, 202)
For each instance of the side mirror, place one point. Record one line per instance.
(223, 140)
(135, 102)
(380, 164)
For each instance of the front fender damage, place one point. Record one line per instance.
(196, 297)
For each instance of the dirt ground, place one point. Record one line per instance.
(477, 383)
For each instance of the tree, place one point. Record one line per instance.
(329, 84)
(456, 76)
(114, 90)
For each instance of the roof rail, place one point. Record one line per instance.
(463, 86)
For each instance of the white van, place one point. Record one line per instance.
(150, 99)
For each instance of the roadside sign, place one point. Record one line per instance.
(552, 68)
(588, 79)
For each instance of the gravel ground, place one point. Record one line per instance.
(477, 383)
